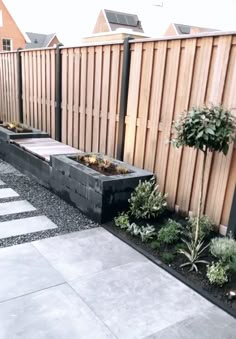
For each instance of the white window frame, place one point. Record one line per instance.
(10, 44)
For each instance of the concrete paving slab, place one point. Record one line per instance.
(7, 193)
(15, 207)
(141, 295)
(212, 323)
(23, 270)
(23, 226)
(82, 253)
(55, 313)
(2, 183)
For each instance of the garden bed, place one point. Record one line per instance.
(18, 131)
(97, 195)
(167, 257)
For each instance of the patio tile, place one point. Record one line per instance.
(82, 253)
(141, 295)
(212, 323)
(7, 193)
(55, 313)
(15, 207)
(23, 270)
(26, 225)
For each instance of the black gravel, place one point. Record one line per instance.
(66, 217)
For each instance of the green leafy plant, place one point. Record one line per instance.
(217, 273)
(122, 220)
(205, 226)
(193, 253)
(168, 258)
(144, 232)
(170, 232)
(147, 201)
(224, 249)
(206, 129)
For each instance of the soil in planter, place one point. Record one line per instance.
(103, 166)
(16, 128)
(170, 256)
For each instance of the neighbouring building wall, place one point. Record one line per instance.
(54, 41)
(170, 31)
(101, 24)
(9, 30)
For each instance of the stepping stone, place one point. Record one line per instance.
(2, 183)
(15, 207)
(27, 225)
(7, 193)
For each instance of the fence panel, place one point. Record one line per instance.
(91, 77)
(168, 77)
(8, 87)
(38, 79)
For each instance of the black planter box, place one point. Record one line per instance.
(99, 196)
(7, 135)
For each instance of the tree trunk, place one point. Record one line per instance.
(199, 214)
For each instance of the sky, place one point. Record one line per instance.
(73, 19)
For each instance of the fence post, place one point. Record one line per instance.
(232, 217)
(123, 98)
(58, 116)
(19, 86)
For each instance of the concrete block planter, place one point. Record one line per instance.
(7, 135)
(97, 195)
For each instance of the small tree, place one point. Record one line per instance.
(208, 130)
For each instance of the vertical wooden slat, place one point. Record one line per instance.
(64, 94)
(35, 112)
(76, 98)
(89, 99)
(53, 94)
(97, 98)
(39, 90)
(48, 91)
(83, 85)
(133, 101)
(43, 70)
(70, 96)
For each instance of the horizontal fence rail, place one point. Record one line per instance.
(166, 77)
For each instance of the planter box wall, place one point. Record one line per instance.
(7, 135)
(99, 196)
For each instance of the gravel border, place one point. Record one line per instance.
(66, 217)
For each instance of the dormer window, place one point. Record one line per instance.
(6, 44)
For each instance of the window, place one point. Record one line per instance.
(6, 44)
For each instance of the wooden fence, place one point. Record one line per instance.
(167, 76)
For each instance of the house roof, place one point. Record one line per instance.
(186, 29)
(38, 40)
(123, 20)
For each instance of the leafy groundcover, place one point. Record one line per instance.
(195, 280)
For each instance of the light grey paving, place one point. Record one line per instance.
(213, 323)
(2, 183)
(23, 270)
(26, 225)
(15, 207)
(138, 299)
(82, 253)
(7, 193)
(55, 313)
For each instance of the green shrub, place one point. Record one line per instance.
(217, 273)
(122, 220)
(180, 246)
(170, 232)
(168, 258)
(155, 245)
(205, 226)
(224, 249)
(147, 201)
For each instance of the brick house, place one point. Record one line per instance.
(179, 29)
(113, 25)
(11, 38)
(37, 40)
